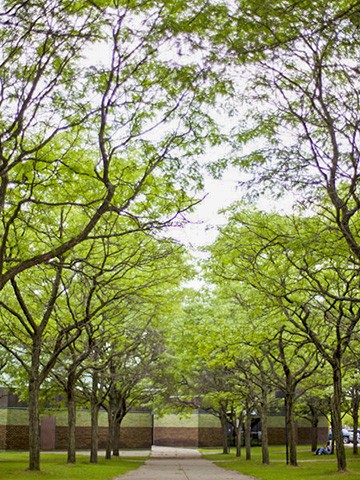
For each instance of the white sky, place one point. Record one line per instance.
(203, 222)
(202, 228)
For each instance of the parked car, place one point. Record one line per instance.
(345, 434)
(351, 436)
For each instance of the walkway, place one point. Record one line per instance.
(166, 463)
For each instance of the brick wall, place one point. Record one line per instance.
(2, 437)
(303, 435)
(176, 436)
(276, 436)
(136, 437)
(210, 437)
(136, 431)
(17, 437)
(129, 438)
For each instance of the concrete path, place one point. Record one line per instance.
(167, 463)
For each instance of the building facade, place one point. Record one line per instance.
(139, 429)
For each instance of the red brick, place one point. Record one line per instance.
(176, 437)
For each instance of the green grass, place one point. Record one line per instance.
(310, 467)
(13, 466)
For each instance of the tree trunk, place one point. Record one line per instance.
(290, 427)
(223, 421)
(95, 407)
(116, 439)
(336, 413)
(248, 434)
(238, 433)
(314, 428)
(355, 416)
(264, 432)
(238, 437)
(34, 419)
(263, 410)
(71, 406)
(332, 428)
(34, 424)
(110, 436)
(94, 412)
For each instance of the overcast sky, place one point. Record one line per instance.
(203, 222)
(202, 228)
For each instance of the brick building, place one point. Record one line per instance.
(139, 429)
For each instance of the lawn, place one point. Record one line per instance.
(13, 466)
(310, 467)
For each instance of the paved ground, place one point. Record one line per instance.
(167, 463)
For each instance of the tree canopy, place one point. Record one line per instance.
(108, 111)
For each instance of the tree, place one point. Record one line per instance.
(74, 297)
(303, 122)
(256, 30)
(289, 364)
(315, 403)
(352, 393)
(209, 356)
(276, 359)
(198, 379)
(82, 138)
(75, 363)
(304, 277)
(93, 149)
(129, 375)
(257, 376)
(28, 317)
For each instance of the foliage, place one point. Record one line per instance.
(300, 269)
(292, 263)
(85, 137)
(302, 102)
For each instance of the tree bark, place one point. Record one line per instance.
(290, 426)
(109, 436)
(264, 433)
(34, 423)
(94, 432)
(71, 406)
(238, 432)
(248, 434)
(223, 421)
(336, 415)
(314, 428)
(34, 419)
(332, 428)
(355, 415)
(116, 439)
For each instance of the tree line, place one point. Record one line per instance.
(108, 108)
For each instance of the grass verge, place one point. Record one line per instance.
(310, 467)
(13, 466)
